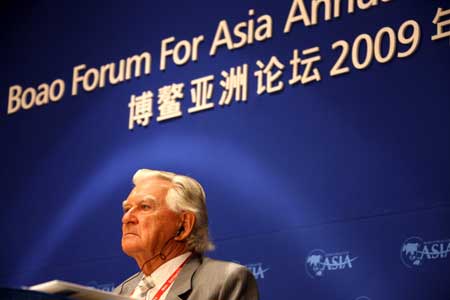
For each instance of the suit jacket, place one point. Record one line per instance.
(203, 278)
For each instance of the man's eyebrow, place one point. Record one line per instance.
(144, 199)
(148, 198)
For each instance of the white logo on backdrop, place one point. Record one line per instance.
(318, 262)
(258, 270)
(415, 251)
(107, 287)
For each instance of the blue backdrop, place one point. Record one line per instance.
(334, 189)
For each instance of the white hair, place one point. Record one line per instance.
(185, 194)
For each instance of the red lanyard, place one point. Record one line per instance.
(170, 280)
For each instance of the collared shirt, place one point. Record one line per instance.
(160, 276)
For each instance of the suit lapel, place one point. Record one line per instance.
(183, 283)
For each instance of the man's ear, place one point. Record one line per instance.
(187, 225)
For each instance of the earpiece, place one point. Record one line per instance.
(180, 230)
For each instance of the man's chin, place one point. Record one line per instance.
(130, 247)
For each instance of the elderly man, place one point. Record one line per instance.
(165, 229)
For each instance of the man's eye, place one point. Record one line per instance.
(125, 210)
(145, 207)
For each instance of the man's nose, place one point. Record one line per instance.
(129, 216)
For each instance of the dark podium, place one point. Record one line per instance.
(18, 294)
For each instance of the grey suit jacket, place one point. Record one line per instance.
(203, 278)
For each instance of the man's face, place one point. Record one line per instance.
(148, 223)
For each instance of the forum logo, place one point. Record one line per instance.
(257, 270)
(318, 262)
(415, 251)
(107, 287)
